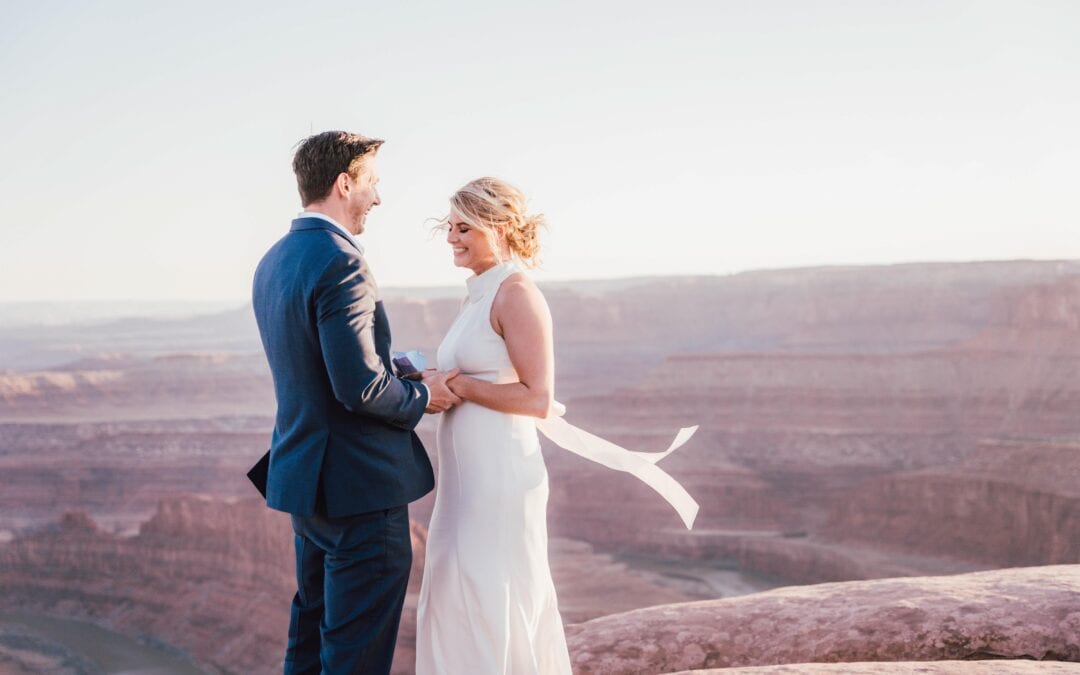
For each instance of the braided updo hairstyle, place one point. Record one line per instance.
(495, 207)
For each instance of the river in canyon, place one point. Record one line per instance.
(704, 579)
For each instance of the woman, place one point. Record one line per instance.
(487, 603)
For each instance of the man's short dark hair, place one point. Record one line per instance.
(321, 158)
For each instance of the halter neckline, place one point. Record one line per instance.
(481, 284)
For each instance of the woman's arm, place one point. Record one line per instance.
(521, 315)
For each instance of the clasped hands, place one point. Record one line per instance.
(444, 393)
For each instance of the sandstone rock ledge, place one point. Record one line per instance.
(1012, 667)
(1018, 613)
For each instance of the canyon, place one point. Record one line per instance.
(213, 577)
(856, 424)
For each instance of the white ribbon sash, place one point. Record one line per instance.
(640, 464)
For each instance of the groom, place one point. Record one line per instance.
(344, 460)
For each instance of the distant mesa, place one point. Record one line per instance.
(199, 358)
(76, 521)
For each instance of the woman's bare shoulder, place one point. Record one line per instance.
(519, 289)
(518, 299)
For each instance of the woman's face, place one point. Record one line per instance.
(470, 245)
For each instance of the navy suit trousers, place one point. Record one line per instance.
(352, 573)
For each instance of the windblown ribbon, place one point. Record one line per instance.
(640, 464)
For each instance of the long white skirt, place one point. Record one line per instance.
(487, 602)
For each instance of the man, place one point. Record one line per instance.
(344, 460)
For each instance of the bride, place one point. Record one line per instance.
(487, 602)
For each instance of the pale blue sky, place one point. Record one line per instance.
(146, 149)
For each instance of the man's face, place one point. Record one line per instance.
(363, 195)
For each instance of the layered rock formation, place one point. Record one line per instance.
(125, 388)
(1013, 499)
(1022, 613)
(215, 577)
(1009, 504)
(211, 578)
(862, 389)
(895, 451)
(118, 471)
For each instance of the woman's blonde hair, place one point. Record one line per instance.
(494, 206)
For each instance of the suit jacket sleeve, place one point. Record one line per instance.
(344, 300)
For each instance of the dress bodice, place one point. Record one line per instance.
(471, 344)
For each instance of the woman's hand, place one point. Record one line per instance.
(458, 385)
(442, 398)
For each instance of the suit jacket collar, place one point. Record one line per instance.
(306, 223)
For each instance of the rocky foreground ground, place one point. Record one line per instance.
(1020, 613)
(1011, 667)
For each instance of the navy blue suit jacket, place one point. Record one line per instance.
(343, 438)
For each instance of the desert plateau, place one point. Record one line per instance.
(887, 464)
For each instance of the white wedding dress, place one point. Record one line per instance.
(487, 603)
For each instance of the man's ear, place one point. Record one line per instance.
(342, 184)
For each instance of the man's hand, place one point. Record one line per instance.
(442, 399)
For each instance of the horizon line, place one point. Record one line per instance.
(612, 279)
